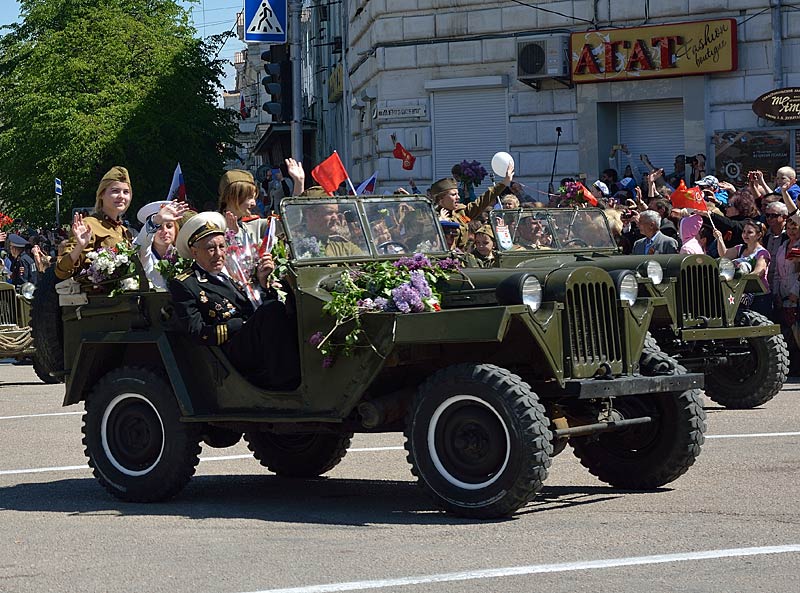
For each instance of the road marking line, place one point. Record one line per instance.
(67, 468)
(753, 435)
(39, 415)
(493, 573)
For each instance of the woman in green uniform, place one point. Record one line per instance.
(103, 228)
(448, 203)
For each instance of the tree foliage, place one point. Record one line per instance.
(88, 84)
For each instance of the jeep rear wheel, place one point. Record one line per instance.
(44, 376)
(478, 441)
(136, 445)
(646, 456)
(298, 455)
(756, 370)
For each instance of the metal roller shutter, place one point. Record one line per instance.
(654, 128)
(468, 124)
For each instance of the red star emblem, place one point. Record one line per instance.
(731, 300)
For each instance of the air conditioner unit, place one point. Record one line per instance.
(546, 57)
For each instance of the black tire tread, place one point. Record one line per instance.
(175, 480)
(759, 392)
(527, 407)
(46, 325)
(285, 465)
(683, 453)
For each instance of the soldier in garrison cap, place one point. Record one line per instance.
(483, 250)
(448, 203)
(214, 310)
(103, 228)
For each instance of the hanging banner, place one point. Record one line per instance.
(659, 51)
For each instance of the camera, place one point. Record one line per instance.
(627, 214)
(350, 216)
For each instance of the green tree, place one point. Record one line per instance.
(88, 84)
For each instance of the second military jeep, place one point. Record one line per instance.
(697, 319)
(516, 365)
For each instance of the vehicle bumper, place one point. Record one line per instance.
(729, 333)
(622, 386)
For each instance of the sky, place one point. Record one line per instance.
(211, 17)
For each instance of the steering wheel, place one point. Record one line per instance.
(384, 247)
(576, 242)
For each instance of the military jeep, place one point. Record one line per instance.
(16, 339)
(697, 318)
(516, 365)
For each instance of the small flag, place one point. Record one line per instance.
(330, 174)
(270, 237)
(242, 107)
(405, 156)
(688, 197)
(368, 187)
(177, 189)
(588, 196)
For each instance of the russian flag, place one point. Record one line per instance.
(242, 106)
(177, 189)
(368, 187)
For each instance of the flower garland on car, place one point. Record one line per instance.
(111, 267)
(407, 285)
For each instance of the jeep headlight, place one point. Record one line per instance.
(653, 270)
(726, 269)
(27, 290)
(628, 288)
(532, 293)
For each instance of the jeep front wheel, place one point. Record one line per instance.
(647, 456)
(136, 445)
(298, 455)
(478, 441)
(755, 372)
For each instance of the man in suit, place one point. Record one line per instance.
(215, 311)
(653, 240)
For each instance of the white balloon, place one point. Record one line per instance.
(500, 163)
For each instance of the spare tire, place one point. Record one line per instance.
(46, 326)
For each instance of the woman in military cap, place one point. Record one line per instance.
(103, 228)
(448, 202)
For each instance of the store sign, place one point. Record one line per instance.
(336, 84)
(660, 51)
(739, 151)
(402, 112)
(782, 105)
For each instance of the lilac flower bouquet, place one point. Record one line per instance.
(172, 264)
(472, 173)
(407, 285)
(108, 266)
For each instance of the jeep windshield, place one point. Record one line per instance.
(361, 228)
(551, 228)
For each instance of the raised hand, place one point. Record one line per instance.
(298, 175)
(509, 175)
(231, 222)
(171, 212)
(264, 268)
(80, 231)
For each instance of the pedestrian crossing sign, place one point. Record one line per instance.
(265, 21)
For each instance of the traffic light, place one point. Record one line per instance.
(278, 82)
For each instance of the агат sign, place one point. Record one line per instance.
(659, 51)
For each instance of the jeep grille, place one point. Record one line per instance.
(700, 293)
(593, 323)
(8, 307)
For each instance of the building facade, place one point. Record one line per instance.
(463, 79)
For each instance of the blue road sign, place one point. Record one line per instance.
(265, 21)
(58, 187)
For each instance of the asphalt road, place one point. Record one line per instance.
(731, 524)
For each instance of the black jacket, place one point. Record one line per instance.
(23, 269)
(210, 310)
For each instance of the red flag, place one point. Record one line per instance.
(330, 173)
(691, 197)
(405, 156)
(588, 196)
